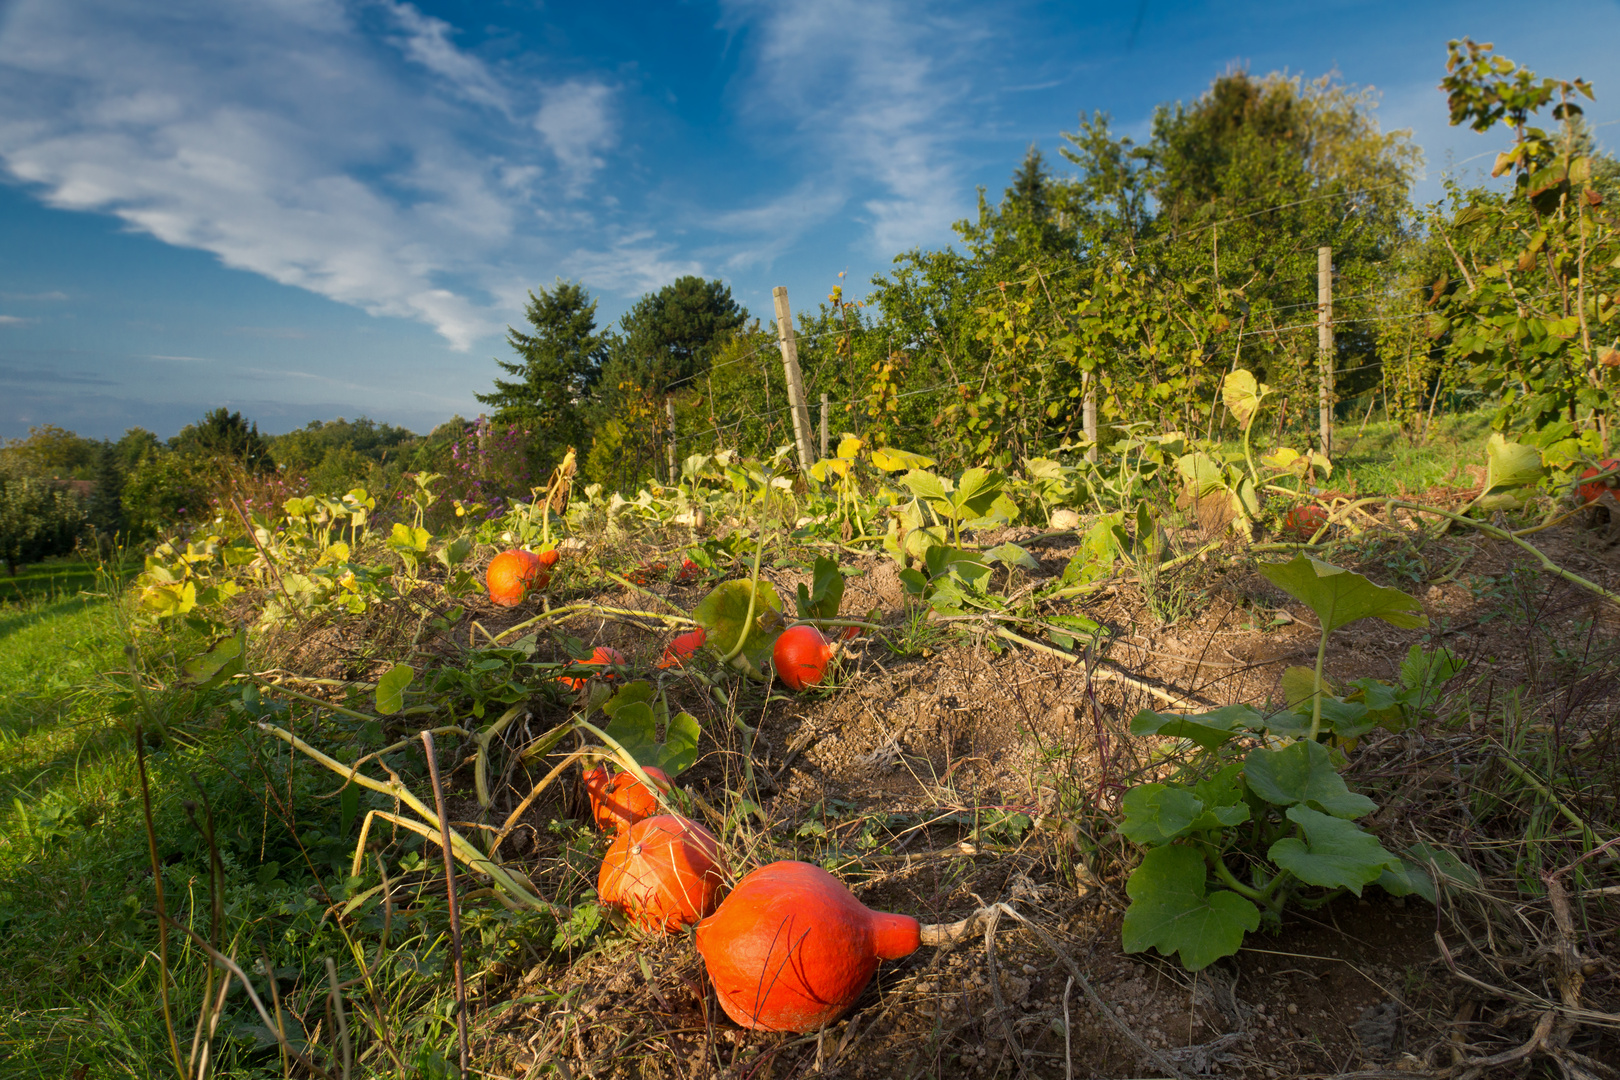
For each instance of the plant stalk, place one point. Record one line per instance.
(450, 894)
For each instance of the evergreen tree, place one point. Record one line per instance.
(558, 361)
(670, 336)
(225, 433)
(106, 510)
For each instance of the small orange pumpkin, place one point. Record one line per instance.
(791, 948)
(663, 872)
(512, 575)
(683, 648)
(621, 801)
(601, 656)
(801, 655)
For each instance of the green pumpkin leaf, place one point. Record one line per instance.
(1208, 730)
(1242, 394)
(391, 688)
(635, 727)
(722, 612)
(826, 593)
(1406, 879)
(1010, 554)
(976, 492)
(1510, 465)
(1335, 854)
(1171, 910)
(1159, 813)
(925, 485)
(222, 660)
(1340, 596)
(890, 460)
(1303, 772)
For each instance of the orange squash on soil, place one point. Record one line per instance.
(620, 802)
(601, 656)
(683, 648)
(663, 872)
(1302, 521)
(801, 655)
(791, 948)
(1590, 493)
(512, 575)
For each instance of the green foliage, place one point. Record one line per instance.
(38, 519)
(224, 433)
(1538, 266)
(1280, 809)
(560, 357)
(636, 715)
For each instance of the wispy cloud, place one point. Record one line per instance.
(866, 86)
(575, 120)
(14, 320)
(298, 140)
(34, 298)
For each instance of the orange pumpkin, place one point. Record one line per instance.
(801, 655)
(1302, 521)
(601, 656)
(791, 948)
(512, 575)
(621, 801)
(683, 648)
(663, 872)
(1590, 493)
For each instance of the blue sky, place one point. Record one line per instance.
(311, 208)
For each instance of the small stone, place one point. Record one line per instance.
(1293, 1010)
(1029, 969)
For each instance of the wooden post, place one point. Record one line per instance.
(1088, 413)
(1324, 348)
(795, 382)
(824, 407)
(669, 445)
(483, 446)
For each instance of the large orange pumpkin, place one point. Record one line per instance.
(620, 801)
(663, 872)
(791, 948)
(513, 574)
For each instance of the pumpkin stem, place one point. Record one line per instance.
(894, 936)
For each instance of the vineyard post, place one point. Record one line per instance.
(824, 407)
(1088, 414)
(1324, 348)
(795, 382)
(669, 446)
(483, 446)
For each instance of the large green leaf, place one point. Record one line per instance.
(1340, 596)
(1172, 912)
(976, 492)
(391, 688)
(826, 593)
(1010, 554)
(1242, 394)
(635, 727)
(895, 460)
(722, 612)
(925, 485)
(1159, 813)
(1303, 772)
(1209, 730)
(1510, 465)
(1335, 854)
(221, 661)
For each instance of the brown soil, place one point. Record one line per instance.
(910, 776)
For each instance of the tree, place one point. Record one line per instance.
(557, 362)
(38, 518)
(52, 451)
(670, 336)
(226, 434)
(106, 510)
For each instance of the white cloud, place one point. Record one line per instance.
(288, 138)
(14, 320)
(575, 120)
(635, 263)
(865, 86)
(38, 297)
